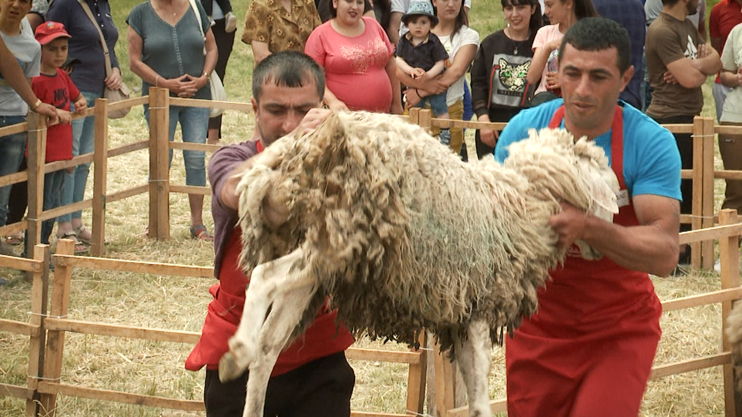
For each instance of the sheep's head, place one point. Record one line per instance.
(562, 169)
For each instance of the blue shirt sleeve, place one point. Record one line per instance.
(651, 159)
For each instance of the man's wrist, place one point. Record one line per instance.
(36, 104)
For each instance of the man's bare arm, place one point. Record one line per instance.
(652, 246)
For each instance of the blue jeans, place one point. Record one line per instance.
(194, 124)
(437, 103)
(53, 186)
(12, 148)
(83, 141)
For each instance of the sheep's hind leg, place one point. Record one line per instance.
(473, 356)
(266, 282)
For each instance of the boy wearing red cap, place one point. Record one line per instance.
(54, 86)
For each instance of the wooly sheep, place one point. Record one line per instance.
(402, 236)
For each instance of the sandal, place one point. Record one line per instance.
(79, 246)
(199, 231)
(79, 231)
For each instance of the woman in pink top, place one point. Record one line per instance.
(562, 14)
(357, 57)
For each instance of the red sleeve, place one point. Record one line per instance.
(714, 30)
(314, 47)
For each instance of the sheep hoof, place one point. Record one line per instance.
(229, 370)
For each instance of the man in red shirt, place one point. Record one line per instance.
(312, 376)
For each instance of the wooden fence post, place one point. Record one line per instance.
(445, 376)
(39, 297)
(55, 338)
(729, 252)
(36, 159)
(415, 116)
(697, 210)
(416, 379)
(707, 205)
(100, 164)
(159, 171)
(425, 118)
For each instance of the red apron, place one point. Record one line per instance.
(588, 351)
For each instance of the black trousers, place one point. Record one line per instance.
(320, 388)
(685, 146)
(224, 43)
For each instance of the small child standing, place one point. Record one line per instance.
(54, 86)
(422, 56)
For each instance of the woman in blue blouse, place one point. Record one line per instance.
(166, 49)
(90, 78)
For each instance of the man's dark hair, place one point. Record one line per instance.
(598, 34)
(287, 69)
(669, 2)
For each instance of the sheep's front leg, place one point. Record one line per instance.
(286, 312)
(473, 356)
(267, 283)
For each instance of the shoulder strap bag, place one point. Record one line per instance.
(218, 93)
(112, 95)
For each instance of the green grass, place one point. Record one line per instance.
(180, 303)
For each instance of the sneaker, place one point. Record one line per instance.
(445, 137)
(230, 22)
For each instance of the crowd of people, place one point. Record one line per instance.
(576, 64)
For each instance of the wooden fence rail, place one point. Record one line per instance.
(57, 325)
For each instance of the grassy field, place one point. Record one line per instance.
(180, 303)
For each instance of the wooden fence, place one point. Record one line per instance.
(45, 365)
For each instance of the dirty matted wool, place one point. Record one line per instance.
(402, 235)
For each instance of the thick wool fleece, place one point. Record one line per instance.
(402, 236)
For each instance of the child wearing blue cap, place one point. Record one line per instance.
(421, 55)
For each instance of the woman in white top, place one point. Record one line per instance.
(461, 43)
(562, 14)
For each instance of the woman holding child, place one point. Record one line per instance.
(461, 44)
(498, 77)
(166, 49)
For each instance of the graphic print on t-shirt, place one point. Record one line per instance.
(374, 53)
(691, 51)
(513, 77)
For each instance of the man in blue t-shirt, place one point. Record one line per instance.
(589, 349)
